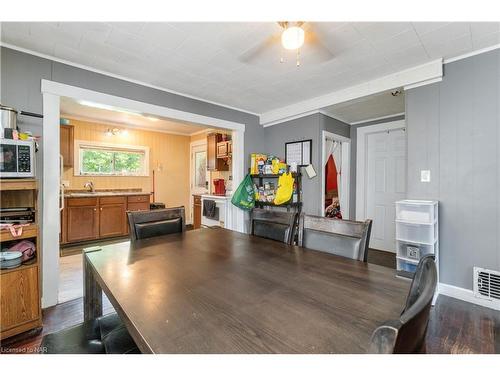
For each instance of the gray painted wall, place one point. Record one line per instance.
(354, 137)
(454, 130)
(307, 127)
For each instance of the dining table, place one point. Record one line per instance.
(214, 290)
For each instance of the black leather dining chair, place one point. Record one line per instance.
(104, 335)
(146, 224)
(274, 225)
(340, 237)
(406, 335)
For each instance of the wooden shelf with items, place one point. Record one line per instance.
(20, 287)
(29, 231)
(32, 264)
(18, 184)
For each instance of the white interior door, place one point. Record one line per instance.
(385, 184)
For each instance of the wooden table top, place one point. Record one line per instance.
(219, 291)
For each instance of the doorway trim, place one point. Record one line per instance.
(192, 145)
(51, 92)
(361, 161)
(346, 164)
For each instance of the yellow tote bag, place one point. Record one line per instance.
(285, 188)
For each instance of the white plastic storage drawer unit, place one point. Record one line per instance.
(414, 251)
(417, 211)
(416, 232)
(406, 268)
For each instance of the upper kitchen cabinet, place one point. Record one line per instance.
(67, 144)
(224, 149)
(214, 163)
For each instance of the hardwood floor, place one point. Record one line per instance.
(455, 327)
(70, 278)
(382, 258)
(55, 318)
(459, 327)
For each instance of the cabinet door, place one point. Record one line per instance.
(19, 298)
(197, 212)
(67, 142)
(222, 150)
(82, 223)
(212, 152)
(138, 206)
(112, 220)
(213, 163)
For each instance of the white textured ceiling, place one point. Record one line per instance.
(119, 118)
(369, 107)
(204, 59)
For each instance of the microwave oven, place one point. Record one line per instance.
(17, 158)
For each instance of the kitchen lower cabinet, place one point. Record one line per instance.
(138, 203)
(93, 218)
(196, 211)
(112, 217)
(19, 300)
(82, 219)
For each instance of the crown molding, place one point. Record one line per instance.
(120, 77)
(470, 54)
(418, 74)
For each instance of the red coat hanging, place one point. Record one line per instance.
(330, 175)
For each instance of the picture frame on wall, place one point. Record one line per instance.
(299, 152)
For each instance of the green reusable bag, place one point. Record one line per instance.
(244, 196)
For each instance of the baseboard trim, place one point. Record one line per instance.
(466, 295)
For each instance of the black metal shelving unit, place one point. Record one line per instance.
(288, 205)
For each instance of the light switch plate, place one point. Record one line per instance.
(425, 175)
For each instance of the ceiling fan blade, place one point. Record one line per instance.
(256, 51)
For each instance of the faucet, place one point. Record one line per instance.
(89, 185)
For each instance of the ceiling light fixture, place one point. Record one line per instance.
(107, 107)
(292, 37)
(115, 131)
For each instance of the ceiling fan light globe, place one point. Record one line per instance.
(292, 37)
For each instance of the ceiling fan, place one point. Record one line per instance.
(292, 37)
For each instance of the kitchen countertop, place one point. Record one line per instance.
(212, 196)
(106, 193)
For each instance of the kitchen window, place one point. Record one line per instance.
(98, 159)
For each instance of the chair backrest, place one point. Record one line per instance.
(407, 334)
(340, 237)
(274, 225)
(145, 224)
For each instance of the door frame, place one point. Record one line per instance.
(361, 162)
(346, 164)
(192, 145)
(51, 93)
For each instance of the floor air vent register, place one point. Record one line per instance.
(486, 284)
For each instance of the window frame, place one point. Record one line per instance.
(78, 155)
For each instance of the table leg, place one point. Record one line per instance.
(92, 292)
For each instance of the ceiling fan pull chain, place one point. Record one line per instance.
(298, 57)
